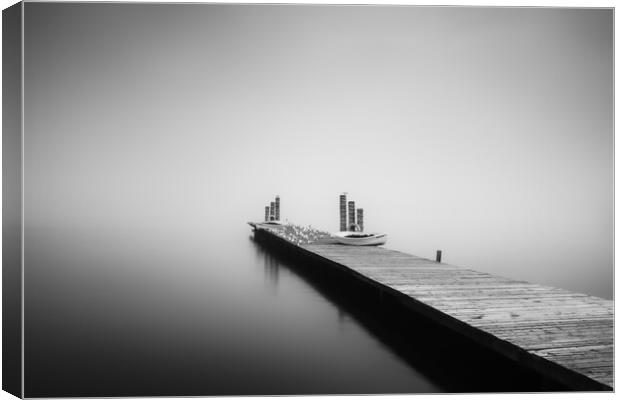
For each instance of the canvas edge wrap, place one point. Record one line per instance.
(12, 241)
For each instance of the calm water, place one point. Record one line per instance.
(132, 312)
(182, 311)
(164, 312)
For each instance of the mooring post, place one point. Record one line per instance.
(351, 215)
(360, 219)
(438, 257)
(343, 212)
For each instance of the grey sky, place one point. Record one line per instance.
(486, 132)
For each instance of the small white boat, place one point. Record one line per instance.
(360, 238)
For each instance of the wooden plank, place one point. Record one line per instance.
(469, 295)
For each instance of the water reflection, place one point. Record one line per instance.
(271, 264)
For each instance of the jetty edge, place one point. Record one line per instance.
(563, 336)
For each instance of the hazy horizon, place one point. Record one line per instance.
(484, 132)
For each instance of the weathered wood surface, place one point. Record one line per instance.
(546, 327)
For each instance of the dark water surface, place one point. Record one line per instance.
(150, 312)
(132, 313)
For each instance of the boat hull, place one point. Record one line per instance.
(372, 240)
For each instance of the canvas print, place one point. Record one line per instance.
(297, 199)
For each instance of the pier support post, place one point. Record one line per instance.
(438, 257)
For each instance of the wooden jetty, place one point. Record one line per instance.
(563, 336)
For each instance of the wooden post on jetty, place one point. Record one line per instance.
(351, 215)
(343, 212)
(360, 219)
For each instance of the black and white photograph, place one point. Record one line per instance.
(212, 199)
